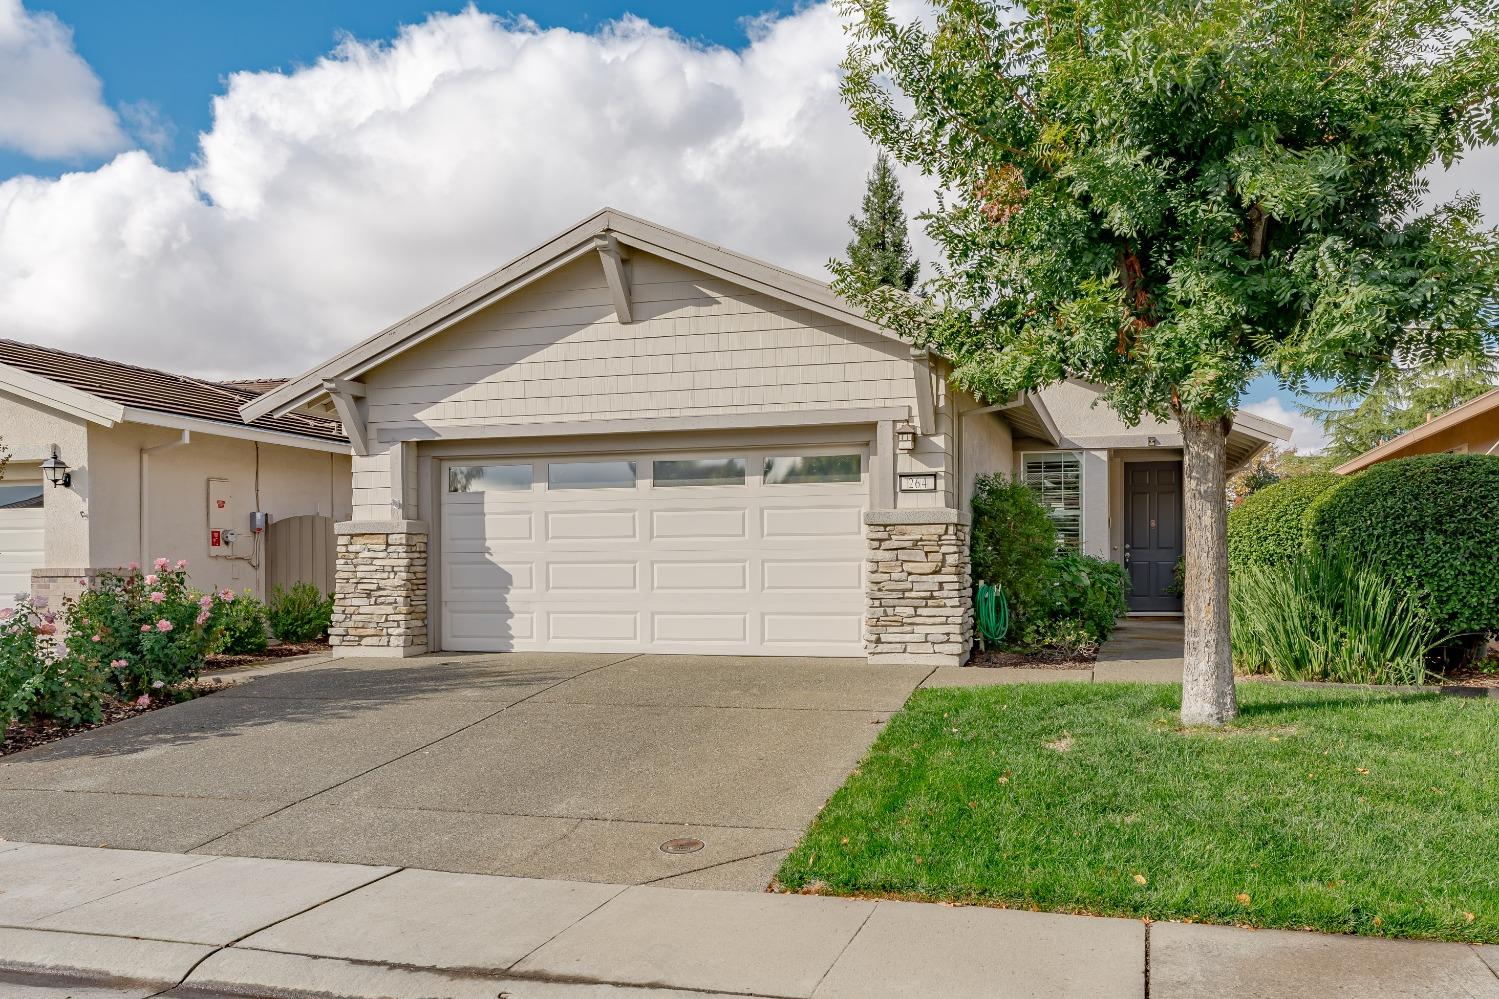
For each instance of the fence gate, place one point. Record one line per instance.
(300, 550)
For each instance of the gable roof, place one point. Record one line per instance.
(110, 392)
(1472, 409)
(577, 241)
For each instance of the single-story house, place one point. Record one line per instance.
(631, 439)
(148, 464)
(1472, 428)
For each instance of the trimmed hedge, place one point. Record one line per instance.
(1268, 528)
(1429, 524)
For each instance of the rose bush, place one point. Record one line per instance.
(34, 682)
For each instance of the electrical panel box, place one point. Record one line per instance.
(259, 521)
(220, 518)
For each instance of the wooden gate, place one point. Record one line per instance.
(300, 550)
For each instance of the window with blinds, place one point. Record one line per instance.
(1057, 478)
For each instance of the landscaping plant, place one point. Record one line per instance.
(1328, 617)
(1429, 525)
(1011, 540)
(239, 626)
(34, 683)
(301, 614)
(146, 630)
(1082, 599)
(1269, 527)
(1167, 198)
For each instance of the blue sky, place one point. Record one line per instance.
(236, 188)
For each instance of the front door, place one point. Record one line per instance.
(1152, 533)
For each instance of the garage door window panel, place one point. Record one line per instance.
(672, 472)
(21, 497)
(810, 469)
(490, 478)
(591, 475)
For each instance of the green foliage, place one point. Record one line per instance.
(1326, 617)
(1401, 398)
(1269, 526)
(1011, 541)
(239, 624)
(300, 615)
(146, 631)
(1080, 603)
(34, 683)
(1164, 197)
(1428, 525)
(880, 252)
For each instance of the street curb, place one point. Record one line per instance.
(100, 960)
(274, 975)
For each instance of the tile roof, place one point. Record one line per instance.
(161, 391)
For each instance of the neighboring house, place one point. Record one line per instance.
(157, 465)
(1472, 428)
(630, 439)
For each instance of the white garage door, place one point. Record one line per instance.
(20, 535)
(744, 551)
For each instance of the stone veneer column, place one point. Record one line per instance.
(918, 587)
(380, 589)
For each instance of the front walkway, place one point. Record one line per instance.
(1141, 650)
(126, 925)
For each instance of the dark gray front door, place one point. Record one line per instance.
(1152, 532)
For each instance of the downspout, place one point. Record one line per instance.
(145, 490)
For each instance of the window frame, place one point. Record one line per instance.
(449, 467)
(743, 480)
(769, 455)
(1082, 491)
(633, 462)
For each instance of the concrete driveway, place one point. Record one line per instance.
(553, 766)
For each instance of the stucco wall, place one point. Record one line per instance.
(29, 431)
(986, 445)
(282, 481)
(1073, 410)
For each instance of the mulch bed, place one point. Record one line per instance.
(1471, 677)
(1041, 659)
(286, 650)
(19, 737)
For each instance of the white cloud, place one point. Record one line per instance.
(1307, 436)
(51, 103)
(328, 201)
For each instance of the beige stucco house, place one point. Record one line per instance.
(157, 465)
(1472, 428)
(631, 439)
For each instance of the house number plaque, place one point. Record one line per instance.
(926, 483)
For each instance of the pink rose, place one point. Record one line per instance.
(46, 628)
(134, 566)
(202, 617)
(158, 597)
(119, 663)
(157, 685)
(49, 617)
(163, 625)
(182, 563)
(98, 638)
(151, 578)
(205, 601)
(143, 701)
(145, 627)
(39, 603)
(82, 581)
(161, 563)
(226, 595)
(6, 612)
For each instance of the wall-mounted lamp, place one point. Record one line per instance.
(56, 471)
(1153, 441)
(905, 436)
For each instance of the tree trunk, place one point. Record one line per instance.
(1208, 674)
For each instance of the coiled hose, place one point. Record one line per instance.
(993, 615)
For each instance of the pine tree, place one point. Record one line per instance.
(1402, 397)
(880, 252)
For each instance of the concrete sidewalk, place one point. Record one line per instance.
(1141, 650)
(117, 924)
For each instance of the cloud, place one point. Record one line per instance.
(51, 103)
(1307, 436)
(328, 201)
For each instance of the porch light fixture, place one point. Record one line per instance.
(1153, 441)
(56, 471)
(905, 436)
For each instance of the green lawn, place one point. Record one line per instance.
(1335, 810)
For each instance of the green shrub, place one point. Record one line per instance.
(1083, 590)
(240, 625)
(1012, 539)
(146, 631)
(36, 684)
(300, 615)
(1429, 525)
(1269, 526)
(1327, 617)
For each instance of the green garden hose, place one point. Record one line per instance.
(993, 615)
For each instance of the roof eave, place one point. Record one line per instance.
(55, 395)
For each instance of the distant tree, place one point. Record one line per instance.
(1401, 398)
(880, 252)
(1271, 466)
(1167, 197)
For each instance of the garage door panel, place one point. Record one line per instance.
(592, 525)
(588, 577)
(21, 544)
(469, 574)
(691, 524)
(690, 577)
(473, 529)
(802, 575)
(481, 624)
(697, 628)
(812, 521)
(593, 626)
(789, 628)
